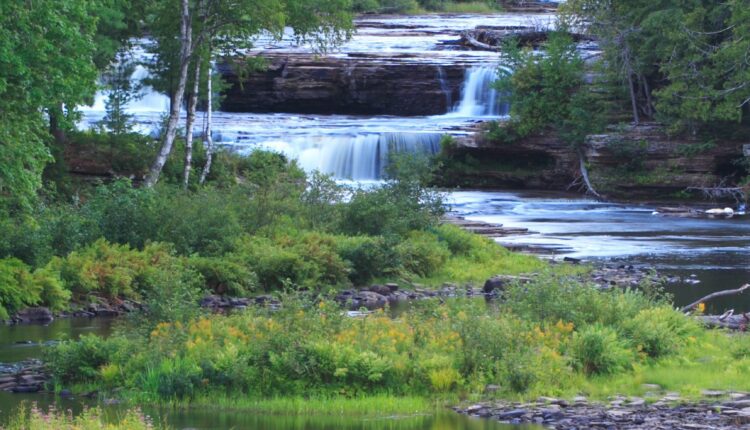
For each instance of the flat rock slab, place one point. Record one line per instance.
(632, 414)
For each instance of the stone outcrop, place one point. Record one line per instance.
(356, 84)
(637, 162)
(669, 412)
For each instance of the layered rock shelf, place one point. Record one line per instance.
(365, 84)
(659, 166)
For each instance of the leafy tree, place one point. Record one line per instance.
(680, 61)
(547, 91)
(206, 27)
(46, 65)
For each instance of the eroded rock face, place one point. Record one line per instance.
(660, 166)
(362, 84)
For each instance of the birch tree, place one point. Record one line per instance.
(226, 29)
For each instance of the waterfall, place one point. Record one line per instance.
(358, 157)
(478, 98)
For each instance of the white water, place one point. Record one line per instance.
(478, 97)
(347, 147)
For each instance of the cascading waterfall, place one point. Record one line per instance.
(346, 147)
(478, 97)
(358, 157)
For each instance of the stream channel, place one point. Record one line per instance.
(704, 254)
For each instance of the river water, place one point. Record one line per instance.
(706, 255)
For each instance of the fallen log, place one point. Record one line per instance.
(731, 322)
(715, 295)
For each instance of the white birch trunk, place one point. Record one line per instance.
(207, 134)
(190, 121)
(174, 113)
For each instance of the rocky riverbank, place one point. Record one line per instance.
(665, 411)
(28, 376)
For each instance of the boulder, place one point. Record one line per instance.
(370, 300)
(383, 290)
(34, 315)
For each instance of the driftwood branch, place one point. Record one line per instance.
(715, 295)
(585, 175)
(468, 38)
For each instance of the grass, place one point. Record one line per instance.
(378, 405)
(476, 269)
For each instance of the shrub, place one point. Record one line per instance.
(114, 270)
(224, 275)
(596, 350)
(659, 331)
(123, 214)
(369, 257)
(17, 288)
(304, 260)
(205, 222)
(422, 253)
(458, 240)
(82, 359)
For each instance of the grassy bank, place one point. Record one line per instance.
(552, 337)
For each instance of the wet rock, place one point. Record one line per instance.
(383, 290)
(39, 315)
(517, 413)
(26, 389)
(370, 300)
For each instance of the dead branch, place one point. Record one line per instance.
(715, 295)
(585, 176)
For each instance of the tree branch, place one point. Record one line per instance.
(715, 295)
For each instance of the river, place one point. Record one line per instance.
(706, 254)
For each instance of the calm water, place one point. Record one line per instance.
(210, 420)
(13, 348)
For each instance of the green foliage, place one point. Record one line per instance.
(16, 290)
(678, 62)
(368, 257)
(46, 62)
(20, 287)
(547, 92)
(422, 253)
(659, 331)
(225, 275)
(81, 360)
(597, 350)
(115, 270)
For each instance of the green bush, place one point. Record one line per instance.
(303, 260)
(659, 331)
(81, 360)
(114, 270)
(124, 214)
(17, 288)
(224, 275)
(422, 253)
(596, 350)
(369, 257)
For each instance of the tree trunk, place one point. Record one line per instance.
(186, 49)
(207, 134)
(192, 102)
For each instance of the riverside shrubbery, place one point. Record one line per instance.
(433, 349)
(275, 229)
